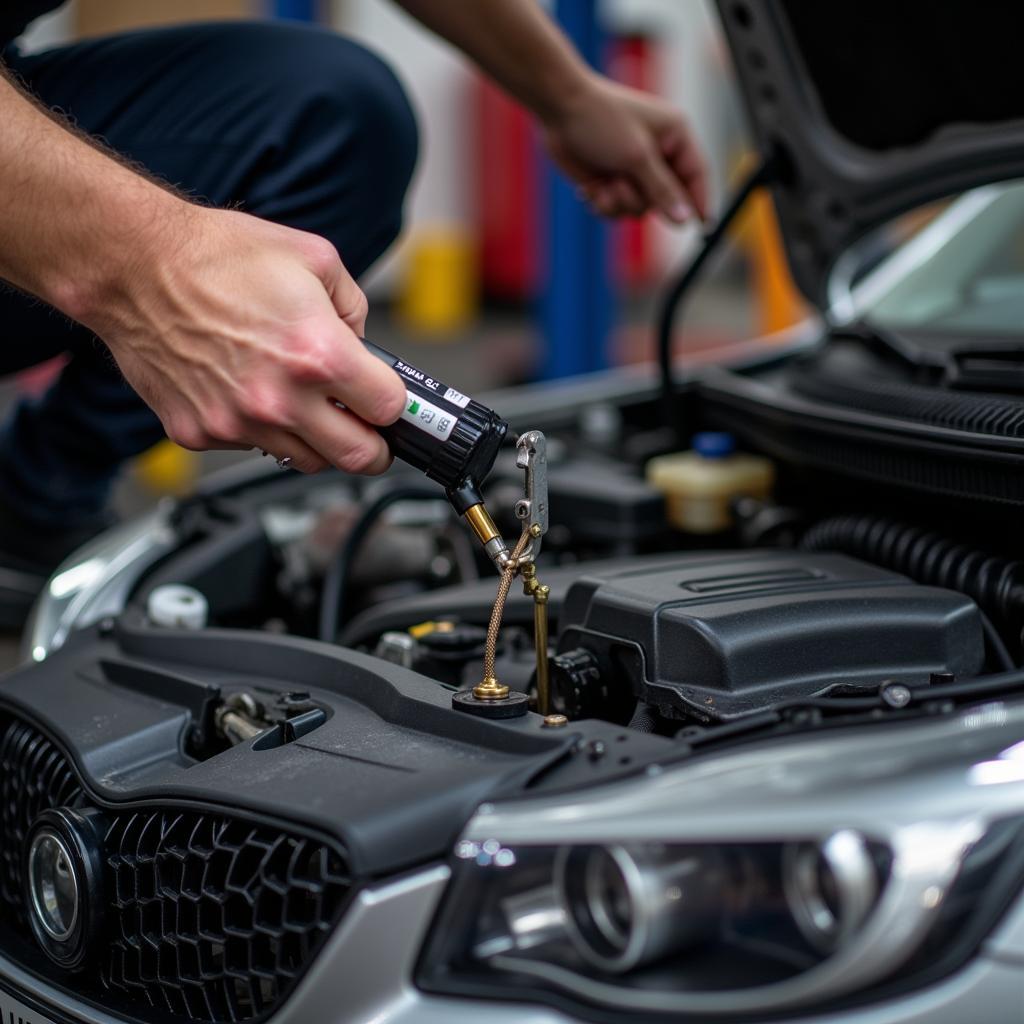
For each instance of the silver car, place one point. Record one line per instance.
(769, 768)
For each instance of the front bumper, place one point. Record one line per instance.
(364, 976)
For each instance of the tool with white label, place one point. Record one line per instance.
(452, 439)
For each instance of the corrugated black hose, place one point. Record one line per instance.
(996, 584)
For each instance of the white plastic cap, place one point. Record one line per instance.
(177, 606)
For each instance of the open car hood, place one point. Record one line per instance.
(870, 109)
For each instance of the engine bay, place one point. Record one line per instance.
(276, 687)
(808, 588)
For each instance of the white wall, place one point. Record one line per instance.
(437, 78)
(50, 30)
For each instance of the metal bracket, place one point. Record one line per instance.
(532, 510)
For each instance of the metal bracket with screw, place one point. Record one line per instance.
(532, 509)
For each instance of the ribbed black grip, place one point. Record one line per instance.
(451, 459)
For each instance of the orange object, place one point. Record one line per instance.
(778, 302)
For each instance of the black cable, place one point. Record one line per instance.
(332, 599)
(675, 295)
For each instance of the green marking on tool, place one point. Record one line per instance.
(414, 407)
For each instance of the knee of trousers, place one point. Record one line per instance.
(351, 127)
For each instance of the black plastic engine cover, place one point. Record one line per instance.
(393, 772)
(716, 635)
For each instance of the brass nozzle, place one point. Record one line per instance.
(482, 524)
(487, 533)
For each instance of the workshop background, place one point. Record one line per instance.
(501, 275)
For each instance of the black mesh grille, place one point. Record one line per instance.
(214, 918)
(208, 916)
(34, 776)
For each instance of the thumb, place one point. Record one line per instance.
(661, 188)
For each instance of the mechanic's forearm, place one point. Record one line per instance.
(74, 222)
(513, 41)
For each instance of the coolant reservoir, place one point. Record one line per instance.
(700, 485)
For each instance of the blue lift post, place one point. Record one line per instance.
(296, 10)
(577, 304)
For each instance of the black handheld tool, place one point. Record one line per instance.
(449, 437)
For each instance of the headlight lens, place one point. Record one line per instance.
(701, 918)
(830, 887)
(725, 888)
(624, 906)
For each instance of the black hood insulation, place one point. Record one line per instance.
(871, 109)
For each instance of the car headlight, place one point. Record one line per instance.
(763, 880)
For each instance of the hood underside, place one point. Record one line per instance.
(868, 110)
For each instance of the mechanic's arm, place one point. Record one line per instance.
(237, 332)
(627, 150)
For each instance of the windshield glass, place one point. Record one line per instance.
(962, 275)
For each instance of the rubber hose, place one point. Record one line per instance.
(996, 584)
(335, 589)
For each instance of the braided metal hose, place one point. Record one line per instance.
(504, 585)
(996, 584)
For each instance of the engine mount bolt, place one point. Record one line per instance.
(555, 721)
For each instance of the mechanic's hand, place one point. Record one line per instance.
(629, 152)
(244, 335)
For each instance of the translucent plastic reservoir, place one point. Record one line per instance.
(700, 485)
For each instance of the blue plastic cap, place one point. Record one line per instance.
(711, 444)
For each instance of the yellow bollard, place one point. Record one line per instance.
(439, 289)
(167, 469)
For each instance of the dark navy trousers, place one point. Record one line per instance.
(288, 122)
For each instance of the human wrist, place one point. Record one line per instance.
(139, 227)
(563, 90)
